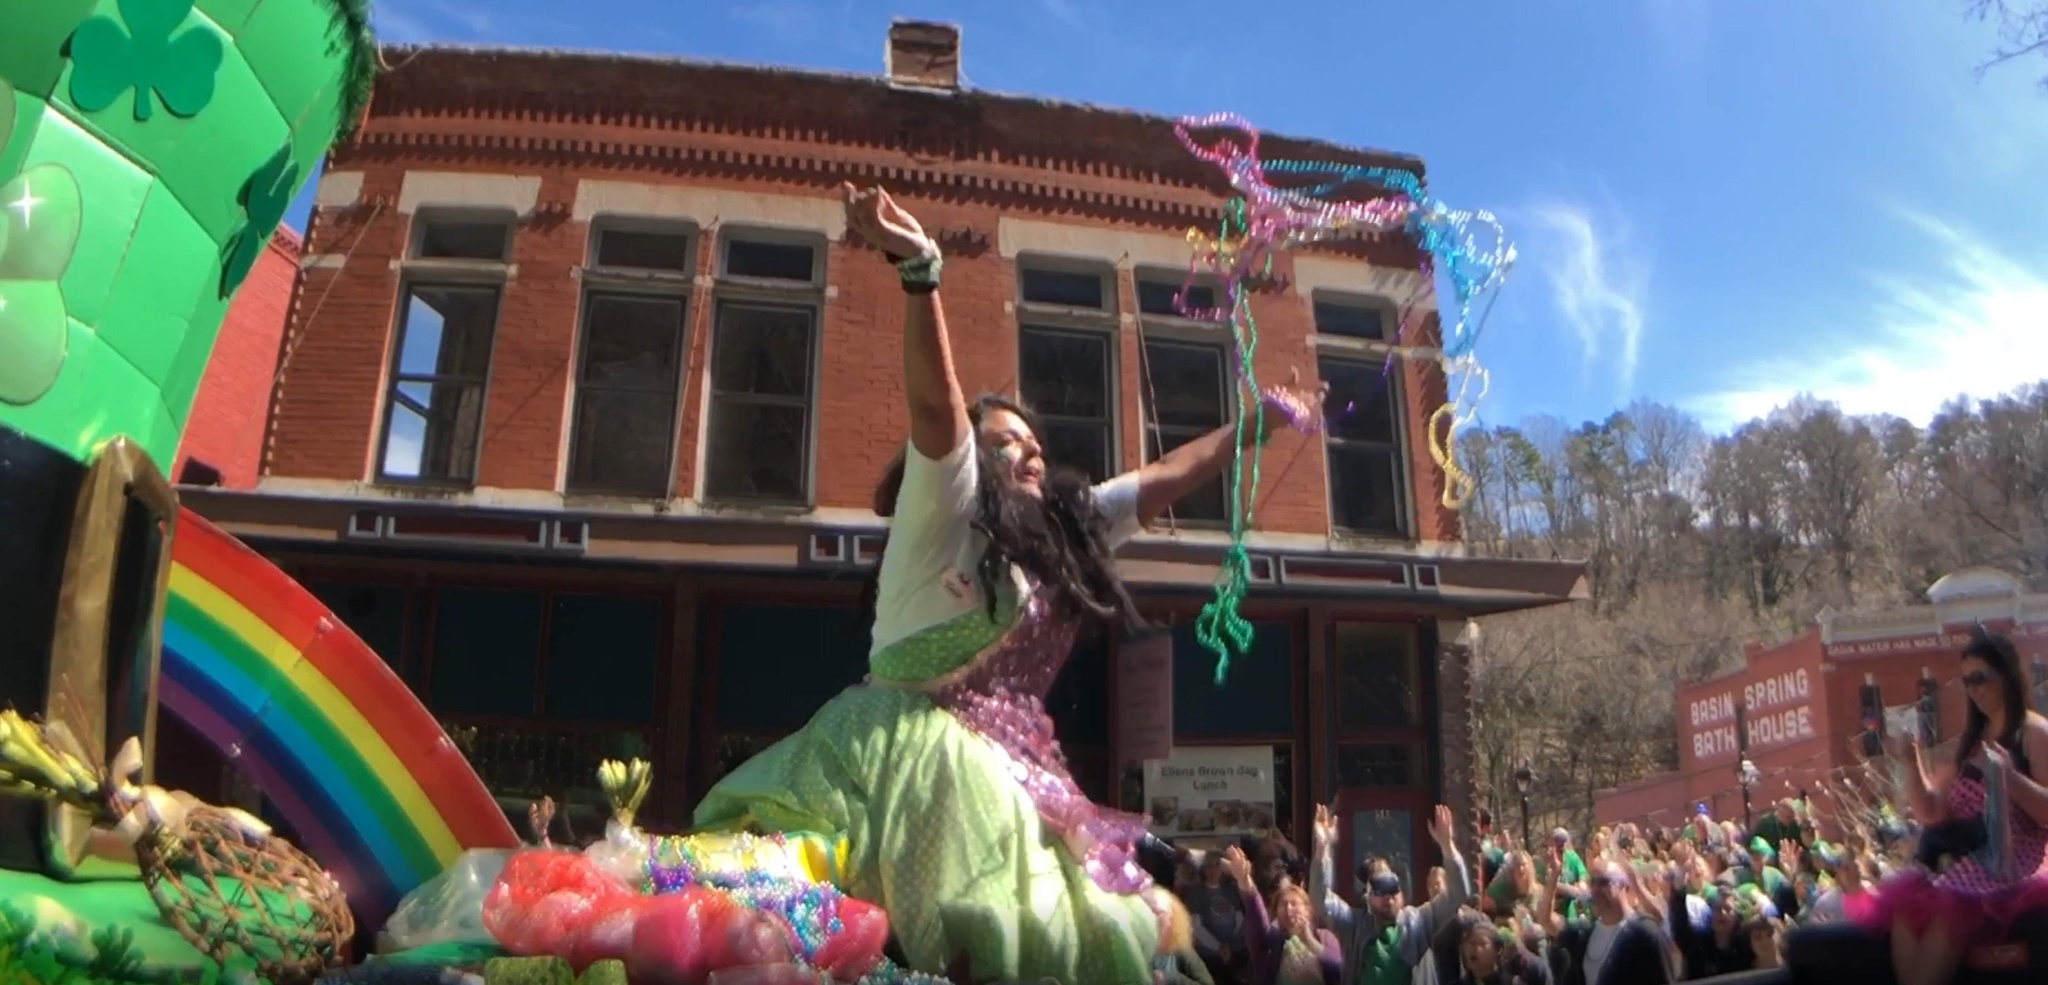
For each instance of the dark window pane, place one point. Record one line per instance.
(777, 664)
(431, 431)
(640, 250)
(1082, 447)
(1384, 834)
(631, 341)
(1079, 699)
(774, 261)
(1360, 402)
(1365, 765)
(763, 350)
(1185, 384)
(375, 613)
(1158, 297)
(447, 239)
(603, 651)
(446, 331)
(1355, 320)
(1063, 287)
(486, 646)
(1375, 668)
(758, 451)
(622, 442)
(1208, 502)
(1364, 494)
(1064, 374)
(1256, 698)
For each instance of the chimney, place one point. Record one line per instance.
(924, 54)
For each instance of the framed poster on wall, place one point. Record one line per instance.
(1209, 791)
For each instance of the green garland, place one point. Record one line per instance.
(352, 28)
(1221, 626)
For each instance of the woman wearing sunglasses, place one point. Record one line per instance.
(1991, 813)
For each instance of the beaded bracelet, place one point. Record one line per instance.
(920, 274)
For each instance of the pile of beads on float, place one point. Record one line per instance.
(809, 910)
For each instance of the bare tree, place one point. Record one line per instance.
(2022, 29)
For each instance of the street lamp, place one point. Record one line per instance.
(1524, 778)
(1750, 776)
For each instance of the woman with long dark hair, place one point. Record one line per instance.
(938, 780)
(1994, 806)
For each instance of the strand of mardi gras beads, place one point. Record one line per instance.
(1450, 241)
(1221, 626)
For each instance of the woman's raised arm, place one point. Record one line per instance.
(938, 410)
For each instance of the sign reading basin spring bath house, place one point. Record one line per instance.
(1210, 790)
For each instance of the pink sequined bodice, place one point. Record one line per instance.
(1001, 696)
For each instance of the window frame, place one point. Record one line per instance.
(693, 242)
(592, 292)
(1177, 279)
(1388, 311)
(394, 378)
(1104, 270)
(765, 292)
(425, 217)
(1189, 334)
(815, 240)
(1112, 390)
(1096, 324)
(1403, 495)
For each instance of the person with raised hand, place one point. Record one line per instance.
(1386, 941)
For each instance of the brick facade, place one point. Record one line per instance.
(563, 121)
(224, 431)
(565, 144)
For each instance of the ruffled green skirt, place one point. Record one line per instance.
(940, 835)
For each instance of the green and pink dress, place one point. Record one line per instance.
(940, 775)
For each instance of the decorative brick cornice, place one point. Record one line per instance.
(621, 113)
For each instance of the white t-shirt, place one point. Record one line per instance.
(928, 568)
(1597, 947)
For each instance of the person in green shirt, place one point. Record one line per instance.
(1782, 824)
(1513, 884)
(1571, 883)
(1762, 870)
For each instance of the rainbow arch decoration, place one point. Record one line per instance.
(367, 779)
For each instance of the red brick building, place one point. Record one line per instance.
(584, 431)
(224, 435)
(1809, 704)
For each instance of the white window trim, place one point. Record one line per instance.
(607, 223)
(773, 235)
(1104, 329)
(389, 383)
(593, 286)
(1389, 309)
(1178, 279)
(427, 215)
(1063, 264)
(1192, 334)
(762, 290)
(1404, 478)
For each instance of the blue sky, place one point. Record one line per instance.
(1718, 203)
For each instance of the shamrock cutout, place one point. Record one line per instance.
(264, 199)
(39, 213)
(149, 54)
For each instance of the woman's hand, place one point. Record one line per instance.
(881, 223)
(1238, 867)
(1291, 405)
(1326, 827)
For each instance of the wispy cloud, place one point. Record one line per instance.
(1066, 12)
(393, 23)
(475, 19)
(1596, 283)
(785, 21)
(1972, 325)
